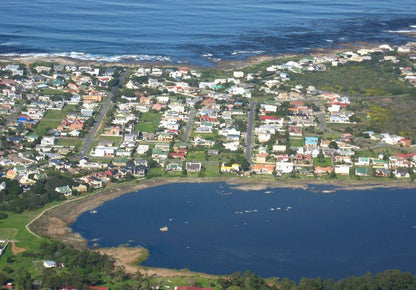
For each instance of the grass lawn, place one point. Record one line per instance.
(156, 172)
(171, 282)
(14, 228)
(115, 139)
(149, 122)
(175, 174)
(296, 142)
(211, 170)
(147, 127)
(53, 118)
(8, 233)
(331, 136)
(324, 162)
(69, 142)
(208, 136)
(196, 156)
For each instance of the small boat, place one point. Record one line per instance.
(93, 211)
(164, 229)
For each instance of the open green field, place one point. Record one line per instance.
(208, 136)
(70, 142)
(8, 233)
(296, 142)
(149, 122)
(323, 162)
(52, 119)
(196, 156)
(211, 170)
(14, 228)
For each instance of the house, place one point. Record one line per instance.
(80, 188)
(261, 157)
(232, 168)
(362, 171)
(65, 190)
(174, 167)
(48, 141)
(92, 98)
(380, 163)
(363, 161)
(322, 170)
(342, 169)
(311, 141)
(295, 131)
(405, 142)
(213, 152)
(178, 155)
(103, 151)
(382, 172)
(98, 288)
(401, 173)
(259, 168)
(193, 166)
(95, 182)
(136, 171)
(113, 131)
(49, 264)
(284, 167)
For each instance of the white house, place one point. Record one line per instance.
(279, 148)
(103, 151)
(49, 264)
(284, 167)
(238, 74)
(342, 169)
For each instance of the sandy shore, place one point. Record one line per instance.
(129, 257)
(56, 222)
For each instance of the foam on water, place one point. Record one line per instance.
(98, 58)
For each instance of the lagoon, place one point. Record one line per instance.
(284, 232)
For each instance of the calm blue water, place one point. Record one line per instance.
(220, 230)
(197, 31)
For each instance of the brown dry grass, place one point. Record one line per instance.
(129, 257)
(126, 257)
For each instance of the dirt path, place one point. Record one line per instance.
(16, 250)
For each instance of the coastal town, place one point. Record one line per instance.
(105, 124)
(73, 130)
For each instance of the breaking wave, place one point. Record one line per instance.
(126, 58)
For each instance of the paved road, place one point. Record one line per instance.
(322, 126)
(12, 116)
(86, 147)
(249, 136)
(189, 125)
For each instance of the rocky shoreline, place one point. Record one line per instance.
(28, 59)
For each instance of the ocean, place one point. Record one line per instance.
(199, 32)
(283, 232)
